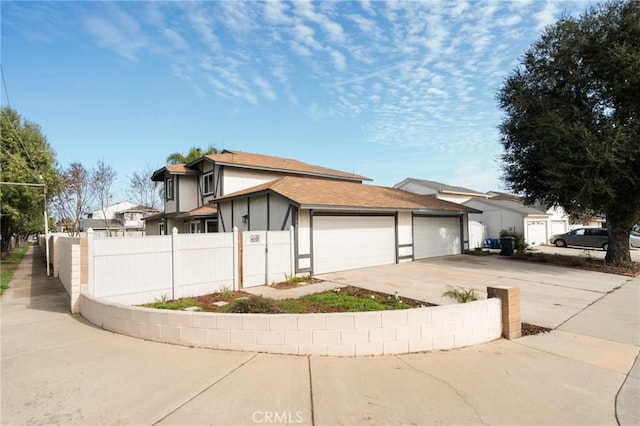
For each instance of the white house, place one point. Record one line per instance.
(499, 211)
(340, 223)
(346, 225)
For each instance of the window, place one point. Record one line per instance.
(161, 228)
(195, 227)
(168, 189)
(207, 183)
(211, 225)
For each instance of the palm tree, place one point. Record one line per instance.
(193, 154)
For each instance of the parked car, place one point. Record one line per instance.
(583, 237)
(634, 239)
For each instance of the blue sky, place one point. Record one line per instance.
(385, 89)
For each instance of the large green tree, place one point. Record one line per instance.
(193, 154)
(25, 158)
(571, 132)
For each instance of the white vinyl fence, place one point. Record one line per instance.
(141, 270)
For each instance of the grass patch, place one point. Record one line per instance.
(9, 264)
(345, 299)
(178, 304)
(293, 281)
(478, 252)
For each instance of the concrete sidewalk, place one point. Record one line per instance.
(58, 369)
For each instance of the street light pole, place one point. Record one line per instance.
(46, 219)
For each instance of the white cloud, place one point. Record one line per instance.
(547, 15)
(275, 11)
(265, 88)
(339, 60)
(175, 39)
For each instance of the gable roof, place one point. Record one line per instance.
(250, 160)
(497, 195)
(441, 187)
(202, 211)
(172, 169)
(334, 194)
(515, 206)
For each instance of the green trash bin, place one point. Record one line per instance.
(507, 246)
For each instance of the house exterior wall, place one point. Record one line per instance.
(225, 217)
(152, 227)
(236, 179)
(454, 198)
(259, 214)
(496, 219)
(405, 237)
(187, 192)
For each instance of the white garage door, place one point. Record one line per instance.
(350, 242)
(536, 233)
(558, 227)
(435, 236)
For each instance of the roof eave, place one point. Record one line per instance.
(354, 178)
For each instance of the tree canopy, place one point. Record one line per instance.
(193, 154)
(25, 158)
(571, 132)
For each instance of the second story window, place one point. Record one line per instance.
(168, 189)
(207, 183)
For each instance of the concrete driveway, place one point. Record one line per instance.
(550, 295)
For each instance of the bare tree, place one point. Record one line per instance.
(143, 190)
(76, 197)
(102, 180)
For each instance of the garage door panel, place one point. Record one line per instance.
(436, 236)
(536, 233)
(348, 242)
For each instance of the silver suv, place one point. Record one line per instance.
(583, 237)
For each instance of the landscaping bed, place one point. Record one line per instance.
(345, 299)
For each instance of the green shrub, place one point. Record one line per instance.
(253, 304)
(520, 244)
(461, 295)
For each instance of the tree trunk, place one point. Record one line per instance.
(619, 230)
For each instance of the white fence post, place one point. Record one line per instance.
(90, 260)
(174, 261)
(235, 259)
(292, 246)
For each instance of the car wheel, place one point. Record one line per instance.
(560, 243)
(605, 246)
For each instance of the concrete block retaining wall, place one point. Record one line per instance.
(338, 334)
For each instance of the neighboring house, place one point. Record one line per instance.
(189, 188)
(117, 219)
(504, 214)
(110, 212)
(500, 211)
(341, 225)
(442, 191)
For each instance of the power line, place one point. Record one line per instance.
(4, 84)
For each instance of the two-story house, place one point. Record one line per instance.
(339, 222)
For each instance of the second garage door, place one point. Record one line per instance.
(435, 236)
(341, 243)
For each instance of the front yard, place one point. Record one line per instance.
(341, 299)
